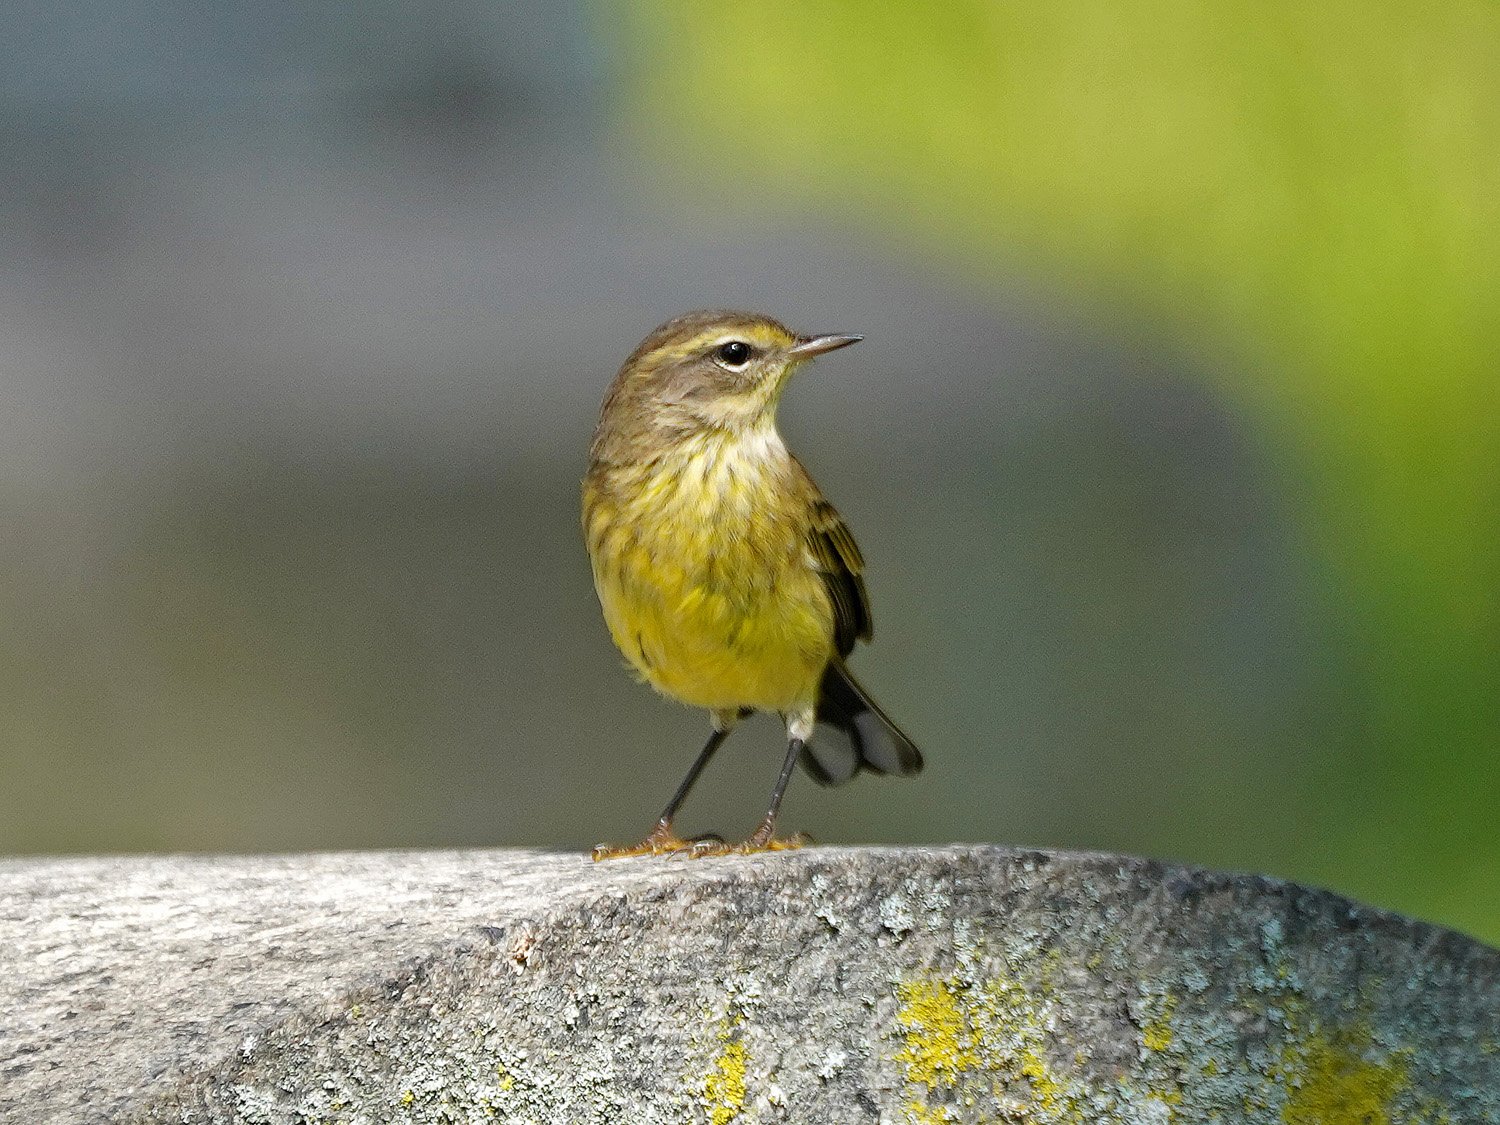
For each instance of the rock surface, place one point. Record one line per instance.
(960, 984)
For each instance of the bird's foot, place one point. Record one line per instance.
(763, 840)
(662, 841)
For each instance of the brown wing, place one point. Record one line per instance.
(842, 566)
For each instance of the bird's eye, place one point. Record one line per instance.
(736, 353)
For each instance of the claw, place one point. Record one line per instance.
(702, 849)
(662, 841)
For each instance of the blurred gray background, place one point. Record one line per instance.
(305, 315)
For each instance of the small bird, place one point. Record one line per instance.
(726, 579)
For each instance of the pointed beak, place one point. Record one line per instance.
(809, 346)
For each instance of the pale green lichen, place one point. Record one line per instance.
(980, 1047)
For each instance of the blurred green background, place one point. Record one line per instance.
(1174, 448)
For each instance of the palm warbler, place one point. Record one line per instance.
(726, 578)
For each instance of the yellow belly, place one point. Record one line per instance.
(714, 603)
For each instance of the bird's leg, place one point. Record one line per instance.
(662, 840)
(763, 839)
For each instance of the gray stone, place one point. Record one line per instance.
(960, 984)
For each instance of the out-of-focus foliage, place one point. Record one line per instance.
(1306, 195)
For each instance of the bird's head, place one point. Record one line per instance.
(712, 370)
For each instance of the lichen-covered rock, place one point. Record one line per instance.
(829, 985)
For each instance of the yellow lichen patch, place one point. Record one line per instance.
(1334, 1082)
(1163, 1104)
(981, 1048)
(1157, 1032)
(1046, 1091)
(724, 1088)
(1017, 1019)
(939, 1045)
(976, 1047)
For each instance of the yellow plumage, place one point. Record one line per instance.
(702, 566)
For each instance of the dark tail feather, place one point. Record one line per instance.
(869, 739)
